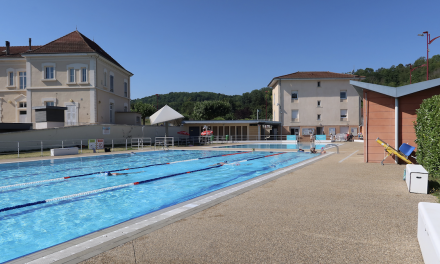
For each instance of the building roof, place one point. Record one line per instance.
(15, 51)
(315, 75)
(395, 91)
(204, 122)
(74, 42)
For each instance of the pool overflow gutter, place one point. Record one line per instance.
(125, 185)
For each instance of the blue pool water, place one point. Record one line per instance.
(302, 145)
(32, 228)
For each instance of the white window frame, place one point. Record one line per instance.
(318, 117)
(125, 88)
(112, 82)
(49, 103)
(22, 103)
(340, 94)
(8, 78)
(125, 107)
(83, 75)
(111, 112)
(20, 80)
(46, 66)
(69, 81)
(318, 84)
(105, 77)
(291, 96)
(297, 115)
(341, 115)
(319, 103)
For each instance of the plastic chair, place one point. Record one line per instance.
(406, 149)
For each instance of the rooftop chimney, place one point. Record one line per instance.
(7, 47)
(30, 46)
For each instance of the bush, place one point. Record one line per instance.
(427, 129)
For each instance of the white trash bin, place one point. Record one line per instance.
(416, 178)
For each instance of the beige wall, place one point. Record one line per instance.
(15, 64)
(308, 96)
(103, 106)
(80, 98)
(119, 77)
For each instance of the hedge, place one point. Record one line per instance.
(427, 129)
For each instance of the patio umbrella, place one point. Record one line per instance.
(165, 114)
(207, 133)
(183, 133)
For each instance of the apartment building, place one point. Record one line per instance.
(316, 103)
(72, 71)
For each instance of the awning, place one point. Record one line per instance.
(165, 114)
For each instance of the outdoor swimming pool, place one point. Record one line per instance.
(34, 217)
(303, 145)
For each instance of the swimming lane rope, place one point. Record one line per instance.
(119, 186)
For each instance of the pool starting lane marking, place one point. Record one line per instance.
(131, 229)
(119, 186)
(93, 173)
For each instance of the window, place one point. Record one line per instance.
(49, 103)
(111, 112)
(319, 103)
(22, 104)
(344, 114)
(318, 117)
(138, 120)
(11, 78)
(105, 79)
(343, 95)
(307, 131)
(83, 75)
(319, 84)
(295, 115)
(49, 73)
(125, 89)
(22, 80)
(111, 83)
(71, 75)
(294, 95)
(125, 109)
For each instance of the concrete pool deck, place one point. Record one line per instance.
(338, 210)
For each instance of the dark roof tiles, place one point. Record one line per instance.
(15, 51)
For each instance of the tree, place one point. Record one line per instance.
(143, 109)
(208, 110)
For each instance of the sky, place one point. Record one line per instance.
(231, 47)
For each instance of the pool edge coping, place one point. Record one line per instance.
(87, 246)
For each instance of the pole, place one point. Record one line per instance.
(257, 114)
(427, 56)
(157, 101)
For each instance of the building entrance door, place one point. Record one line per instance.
(294, 130)
(71, 115)
(22, 118)
(319, 130)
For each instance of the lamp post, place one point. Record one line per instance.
(257, 113)
(428, 41)
(412, 69)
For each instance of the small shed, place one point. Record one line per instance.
(390, 113)
(49, 116)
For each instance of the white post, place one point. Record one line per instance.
(396, 126)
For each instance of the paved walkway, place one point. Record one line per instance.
(328, 212)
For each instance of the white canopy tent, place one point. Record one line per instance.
(165, 115)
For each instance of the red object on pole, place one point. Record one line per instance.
(428, 42)
(412, 69)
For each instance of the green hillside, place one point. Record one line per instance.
(243, 106)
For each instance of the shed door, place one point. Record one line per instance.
(22, 117)
(343, 130)
(71, 115)
(194, 131)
